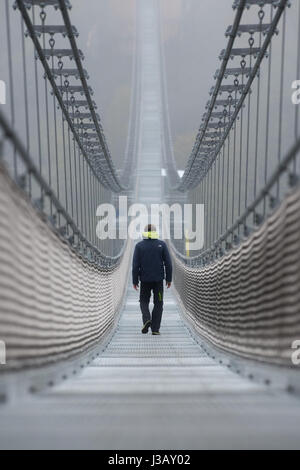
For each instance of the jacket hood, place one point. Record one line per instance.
(150, 235)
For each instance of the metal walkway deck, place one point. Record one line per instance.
(149, 392)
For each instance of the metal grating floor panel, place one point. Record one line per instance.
(149, 392)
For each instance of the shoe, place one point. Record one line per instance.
(155, 333)
(146, 327)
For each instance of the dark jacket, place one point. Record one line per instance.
(151, 262)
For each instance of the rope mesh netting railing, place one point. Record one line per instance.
(247, 303)
(54, 304)
(240, 290)
(61, 286)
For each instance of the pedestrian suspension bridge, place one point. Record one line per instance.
(78, 373)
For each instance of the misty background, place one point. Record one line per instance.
(193, 33)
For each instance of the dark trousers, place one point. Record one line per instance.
(158, 291)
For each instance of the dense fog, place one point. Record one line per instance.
(193, 33)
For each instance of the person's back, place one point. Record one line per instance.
(151, 265)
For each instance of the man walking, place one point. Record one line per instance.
(151, 265)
